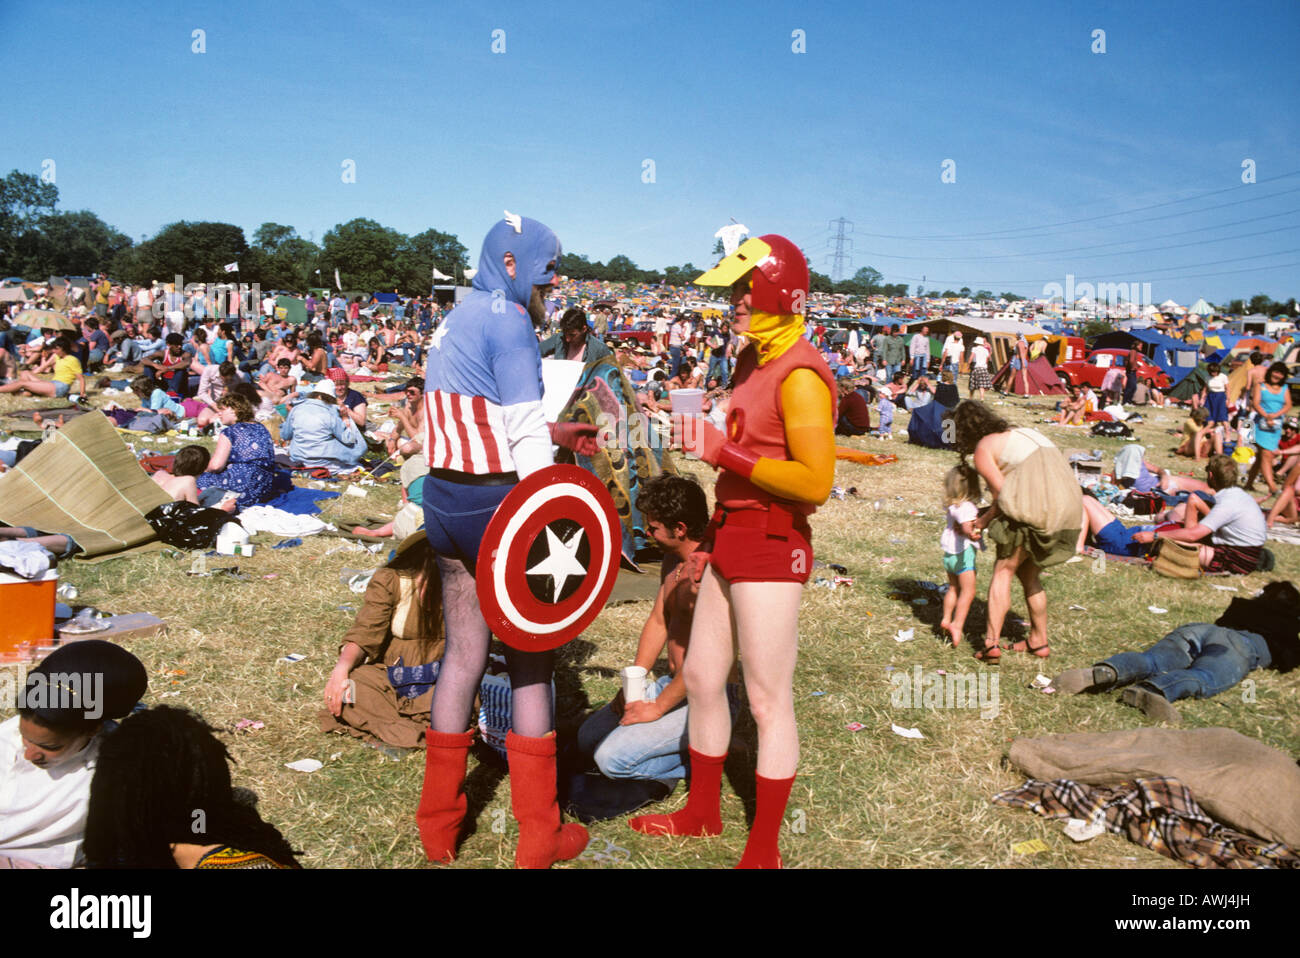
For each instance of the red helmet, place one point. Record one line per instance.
(780, 278)
(780, 282)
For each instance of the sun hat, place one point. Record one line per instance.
(325, 388)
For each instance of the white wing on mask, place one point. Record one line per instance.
(730, 236)
(515, 220)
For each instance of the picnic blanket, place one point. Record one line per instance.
(301, 500)
(84, 482)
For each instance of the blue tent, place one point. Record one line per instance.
(926, 426)
(1175, 357)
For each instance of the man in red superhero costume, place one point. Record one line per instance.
(777, 462)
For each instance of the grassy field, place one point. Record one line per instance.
(866, 798)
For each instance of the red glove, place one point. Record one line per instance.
(577, 436)
(697, 437)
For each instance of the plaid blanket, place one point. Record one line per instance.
(1157, 813)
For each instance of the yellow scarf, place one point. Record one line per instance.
(773, 333)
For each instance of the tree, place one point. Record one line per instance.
(197, 252)
(364, 253)
(418, 256)
(281, 259)
(72, 244)
(622, 268)
(1096, 327)
(868, 280)
(965, 291)
(719, 250)
(24, 199)
(819, 282)
(1010, 297)
(983, 296)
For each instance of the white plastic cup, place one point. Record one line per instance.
(686, 402)
(633, 683)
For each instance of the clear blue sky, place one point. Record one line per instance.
(445, 133)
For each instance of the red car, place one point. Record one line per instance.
(642, 332)
(1093, 369)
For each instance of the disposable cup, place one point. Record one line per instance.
(634, 683)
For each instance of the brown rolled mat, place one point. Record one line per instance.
(83, 482)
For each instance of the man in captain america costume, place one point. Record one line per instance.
(486, 431)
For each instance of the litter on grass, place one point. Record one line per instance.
(293, 657)
(906, 732)
(1081, 831)
(1156, 609)
(905, 635)
(1031, 847)
(855, 726)
(305, 765)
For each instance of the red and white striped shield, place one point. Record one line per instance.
(549, 558)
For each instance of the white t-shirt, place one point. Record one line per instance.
(952, 540)
(1217, 384)
(1236, 519)
(979, 357)
(42, 812)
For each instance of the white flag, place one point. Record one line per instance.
(469, 273)
(437, 274)
(338, 283)
(232, 267)
(730, 236)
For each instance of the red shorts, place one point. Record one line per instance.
(758, 546)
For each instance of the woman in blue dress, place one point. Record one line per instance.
(244, 460)
(1271, 403)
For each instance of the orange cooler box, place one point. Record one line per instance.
(26, 610)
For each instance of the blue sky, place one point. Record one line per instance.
(445, 133)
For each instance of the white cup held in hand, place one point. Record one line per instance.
(634, 683)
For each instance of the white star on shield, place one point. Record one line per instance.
(561, 563)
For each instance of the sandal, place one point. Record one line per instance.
(990, 653)
(1041, 651)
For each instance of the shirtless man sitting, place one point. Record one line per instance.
(647, 739)
(278, 384)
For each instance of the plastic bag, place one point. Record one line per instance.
(187, 526)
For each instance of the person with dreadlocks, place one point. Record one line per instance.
(777, 462)
(162, 798)
(48, 751)
(485, 432)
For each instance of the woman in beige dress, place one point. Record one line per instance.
(1034, 520)
(387, 658)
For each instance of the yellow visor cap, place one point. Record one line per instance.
(751, 252)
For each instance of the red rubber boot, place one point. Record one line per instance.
(442, 802)
(702, 815)
(543, 841)
(761, 850)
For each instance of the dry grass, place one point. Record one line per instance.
(866, 798)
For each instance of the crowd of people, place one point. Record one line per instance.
(775, 392)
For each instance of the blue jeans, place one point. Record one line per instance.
(919, 364)
(674, 360)
(1197, 660)
(647, 750)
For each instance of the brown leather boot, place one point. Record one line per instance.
(542, 839)
(442, 801)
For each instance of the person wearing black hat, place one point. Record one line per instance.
(48, 751)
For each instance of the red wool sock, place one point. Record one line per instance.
(761, 850)
(702, 814)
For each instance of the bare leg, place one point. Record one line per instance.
(709, 658)
(465, 659)
(1036, 599)
(767, 626)
(949, 604)
(965, 587)
(1000, 595)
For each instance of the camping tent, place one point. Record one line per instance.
(1040, 379)
(1201, 308)
(1191, 384)
(1000, 333)
(1174, 356)
(925, 428)
(292, 309)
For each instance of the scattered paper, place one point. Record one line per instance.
(1081, 831)
(1040, 681)
(1077, 608)
(817, 693)
(293, 657)
(305, 765)
(1226, 588)
(855, 726)
(906, 732)
(1075, 558)
(1031, 847)
(249, 725)
(1156, 609)
(905, 635)
(355, 491)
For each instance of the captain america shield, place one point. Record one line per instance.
(549, 558)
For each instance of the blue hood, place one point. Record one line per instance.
(534, 247)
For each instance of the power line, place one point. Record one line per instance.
(840, 255)
(1091, 219)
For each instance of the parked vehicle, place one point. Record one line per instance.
(1093, 369)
